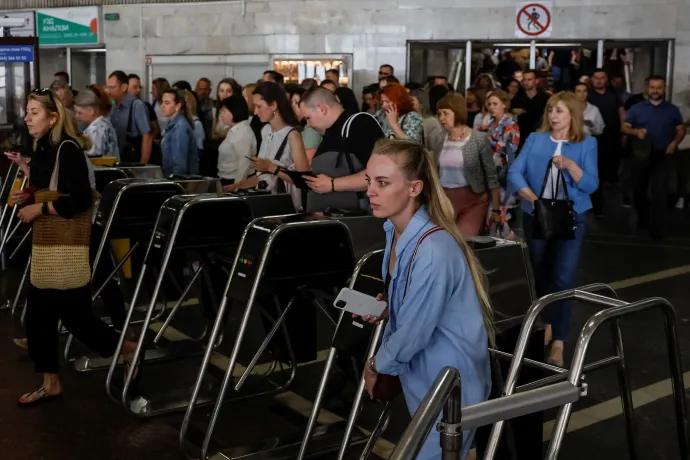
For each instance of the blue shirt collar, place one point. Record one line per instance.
(420, 220)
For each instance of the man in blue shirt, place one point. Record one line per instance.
(656, 128)
(130, 118)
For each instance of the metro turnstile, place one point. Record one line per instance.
(300, 251)
(207, 223)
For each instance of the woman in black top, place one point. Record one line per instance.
(52, 127)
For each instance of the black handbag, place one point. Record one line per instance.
(554, 219)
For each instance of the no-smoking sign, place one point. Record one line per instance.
(533, 19)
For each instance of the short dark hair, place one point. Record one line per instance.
(392, 79)
(600, 70)
(455, 102)
(62, 73)
(204, 79)
(335, 71)
(525, 72)
(120, 76)
(133, 75)
(182, 84)
(318, 95)
(293, 89)
(328, 82)
(371, 89)
(389, 66)
(412, 85)
(579, 83)
(237, 106)
(276, 76)
(655, 77)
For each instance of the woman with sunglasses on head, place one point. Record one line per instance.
(52, 127)
(438, 307)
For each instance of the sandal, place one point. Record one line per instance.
(42, 396)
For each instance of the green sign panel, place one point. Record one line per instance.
(67, 26)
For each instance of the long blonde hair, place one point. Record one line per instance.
(66, 123)
(417, 163)
(576, 132)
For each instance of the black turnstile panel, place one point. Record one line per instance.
(367, 234)
(105, 175)
(210, 221)
(135, 204)
(510, 281)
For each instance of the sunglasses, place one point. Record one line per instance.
(45, 92)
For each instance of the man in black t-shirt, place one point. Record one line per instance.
(340, 160)
(529, 105)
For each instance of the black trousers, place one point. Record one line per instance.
(608, 161)
(651, 173)
(113, 300)
(45, 307)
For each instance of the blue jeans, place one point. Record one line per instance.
(554, 264)
(562, 78)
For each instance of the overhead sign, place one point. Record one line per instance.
(29, 28)
(533, 20)
(68, 26)
(16, 53)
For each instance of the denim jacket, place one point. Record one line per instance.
(180, 153)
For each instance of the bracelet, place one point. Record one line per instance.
(497, 211)
(332, 184)
(372, 364)
(44, 208)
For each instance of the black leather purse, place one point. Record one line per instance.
(554, 219)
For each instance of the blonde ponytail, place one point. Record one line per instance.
(419, 164)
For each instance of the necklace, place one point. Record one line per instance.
(461, 136)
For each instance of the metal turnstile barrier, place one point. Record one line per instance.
(445, 395)
(200, 223)
(272, 254)
(617, 309)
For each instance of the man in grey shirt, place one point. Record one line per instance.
(130, 119)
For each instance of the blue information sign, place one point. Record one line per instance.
(16, 53)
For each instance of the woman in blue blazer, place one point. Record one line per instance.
(554, 261)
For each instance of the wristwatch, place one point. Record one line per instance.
(277, 171)
(372, 365)
(44, 209)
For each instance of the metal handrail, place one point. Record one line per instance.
(446, 394)
(614, 313)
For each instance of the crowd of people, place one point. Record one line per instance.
(424, 157)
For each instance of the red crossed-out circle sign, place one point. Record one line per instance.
(541, 23)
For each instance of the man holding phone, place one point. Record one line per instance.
(339, 161)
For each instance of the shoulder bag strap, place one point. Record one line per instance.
(282, 146)
(546, 178)
(419, 242)
(56, 169)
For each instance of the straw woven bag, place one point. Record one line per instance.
(60, 248)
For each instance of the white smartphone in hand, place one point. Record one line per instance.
(358, 303)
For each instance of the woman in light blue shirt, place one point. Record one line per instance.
(438, 308)
(555, 261)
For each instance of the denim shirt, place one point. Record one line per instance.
(437, 324)
(529, 169)
(180, 154)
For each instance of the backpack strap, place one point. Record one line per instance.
(419, 242)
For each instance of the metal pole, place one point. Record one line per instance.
(468, 65)
(68, 58)
(669, 71)
(626, 390)
(600, 54)
(532, 54)
(446, 384)
(450, 426)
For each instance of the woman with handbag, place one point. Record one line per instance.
(60, 211)
(438, 306)
(555, 174)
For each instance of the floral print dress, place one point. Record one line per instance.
(504, 136)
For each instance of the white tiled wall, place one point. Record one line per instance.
(377, 31)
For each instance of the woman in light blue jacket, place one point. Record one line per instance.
(438, 309)
(554, 261)
(179, 147)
